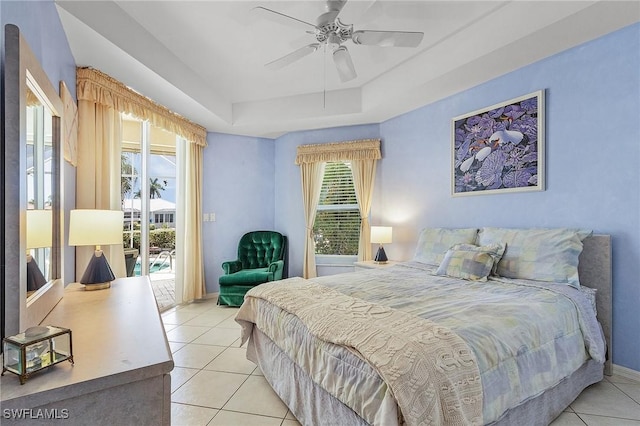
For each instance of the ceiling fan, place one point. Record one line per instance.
(331, 33)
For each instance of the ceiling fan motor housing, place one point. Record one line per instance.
(330, 32)
(341, 31)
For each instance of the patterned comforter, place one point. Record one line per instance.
(526, 336)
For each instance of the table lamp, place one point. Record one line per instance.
(96, 228)
(381, 235)
(39, 234)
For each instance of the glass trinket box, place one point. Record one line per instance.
(36, 349)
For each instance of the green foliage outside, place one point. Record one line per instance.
(164, 238)
(336, 232)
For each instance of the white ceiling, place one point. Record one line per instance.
(205, 59)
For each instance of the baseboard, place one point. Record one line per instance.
(213, 295)
(626, 372)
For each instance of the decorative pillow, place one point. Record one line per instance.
(590, 293)
(434, 243)
(470, 262)
(538, 254)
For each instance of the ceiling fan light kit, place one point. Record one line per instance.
(331, 32)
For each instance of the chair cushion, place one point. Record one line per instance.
(247, 277)
(258, 249)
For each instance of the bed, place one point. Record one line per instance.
(416, 344)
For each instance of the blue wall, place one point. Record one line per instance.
(40, 25)
(238, 188)
(592, 165)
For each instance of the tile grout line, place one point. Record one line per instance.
(624, 392)
(230, 346)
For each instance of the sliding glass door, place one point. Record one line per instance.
(149, 200)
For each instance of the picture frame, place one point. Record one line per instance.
(499, 148)
(69, 125)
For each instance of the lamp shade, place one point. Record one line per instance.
(381, 234)
(95, 227)
(39, 228)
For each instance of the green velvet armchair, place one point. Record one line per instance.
(261, 258)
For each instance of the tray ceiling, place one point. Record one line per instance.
(205, 59)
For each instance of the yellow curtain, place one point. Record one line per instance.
(101, 99)
(98, 174)
(364, 149)
(311, 174)
(363, 155)
(191, 210)
(364, 175)
(98, 87)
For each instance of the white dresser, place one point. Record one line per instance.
(122, 362)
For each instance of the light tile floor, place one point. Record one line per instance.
(214, 384)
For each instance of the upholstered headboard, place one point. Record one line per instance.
(594, 270)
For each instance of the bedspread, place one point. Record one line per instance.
(430, 371)
(526, 335)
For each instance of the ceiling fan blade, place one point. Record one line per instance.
(281, 18)
(335, 5)
(387, 38)
(293, 56)
(333, 8)
(344, 64)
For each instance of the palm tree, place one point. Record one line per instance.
(127, 179)
(155, 188)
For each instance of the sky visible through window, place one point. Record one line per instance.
(161, 167)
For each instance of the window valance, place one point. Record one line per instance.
(364, 149)
(98, 87)
(32, 99)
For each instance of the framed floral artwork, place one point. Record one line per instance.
(499, 148)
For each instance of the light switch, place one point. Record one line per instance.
(205, 217)
(212, 217)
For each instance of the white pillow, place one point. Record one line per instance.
(541, 254)
(434, 243)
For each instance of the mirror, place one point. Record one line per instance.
(39, 218)
(32, 281)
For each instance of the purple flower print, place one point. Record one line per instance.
(497, 149)
(513, 112)
(530, 105)
(496, 113)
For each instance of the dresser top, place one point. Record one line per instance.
(117, 336)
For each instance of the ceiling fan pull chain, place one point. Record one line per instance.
(324, 77)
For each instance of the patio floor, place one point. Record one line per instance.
(164, 289)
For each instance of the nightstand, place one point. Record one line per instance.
(370, 264)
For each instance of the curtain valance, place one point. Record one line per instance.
(364, 149)
(98, 87)
(32, 99)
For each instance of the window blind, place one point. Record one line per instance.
(337, 225)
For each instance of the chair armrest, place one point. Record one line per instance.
(231, 266)
(277, 268)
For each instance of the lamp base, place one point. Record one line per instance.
(381, 256)
(35, 279)
(98, 274)
(100, 286)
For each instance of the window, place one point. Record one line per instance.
(337, 226)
